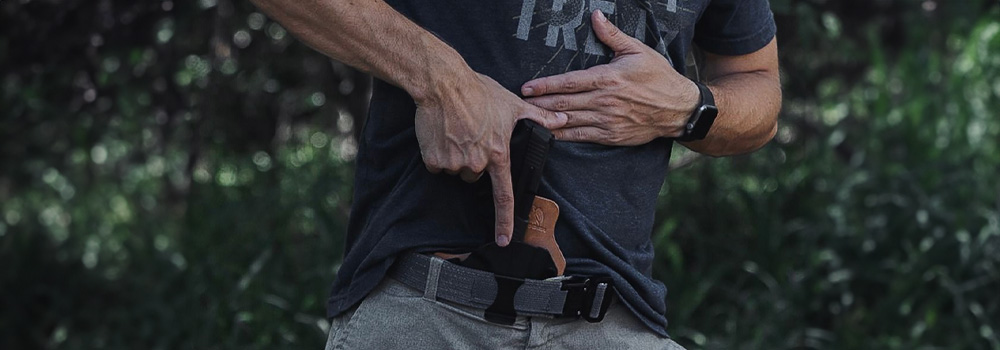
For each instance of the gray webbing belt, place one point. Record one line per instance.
(441, 280)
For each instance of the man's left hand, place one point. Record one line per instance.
(630, 101)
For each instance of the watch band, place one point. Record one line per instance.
(702, 118)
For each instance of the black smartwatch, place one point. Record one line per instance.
(704, 115)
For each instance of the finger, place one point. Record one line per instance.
(564, 102)
(565, 83)
(548, 119)
(433, 169)
(610, 35)
(582, 134)
(576, 119)
(470, 176)
(503, 200)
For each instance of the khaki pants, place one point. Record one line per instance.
(395, 316)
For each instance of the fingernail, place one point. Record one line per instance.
(502, 241)
(600, 15)
(562, 117)
(527, 91)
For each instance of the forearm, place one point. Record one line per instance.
(748, 113)
(373, 37)
(747, 91)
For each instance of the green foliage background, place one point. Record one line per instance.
(178, 175)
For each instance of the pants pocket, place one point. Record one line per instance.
(341, 326)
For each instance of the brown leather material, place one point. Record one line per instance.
(449, 256)
(540, 232)
(542, 228)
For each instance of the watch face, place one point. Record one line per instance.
(709, 111)
(706, 116)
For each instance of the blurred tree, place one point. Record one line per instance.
(874, 220)
(174, 175)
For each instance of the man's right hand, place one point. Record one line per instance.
(464, 120)
(464, 128)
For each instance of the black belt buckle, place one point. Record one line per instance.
(588, 297)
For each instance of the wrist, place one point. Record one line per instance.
(686, 102)
(443, 75)
(691, 99)
(701, 119)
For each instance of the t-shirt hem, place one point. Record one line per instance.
(334, 307)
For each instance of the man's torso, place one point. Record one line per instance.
(606, 195)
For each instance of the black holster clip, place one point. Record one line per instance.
(502, 310)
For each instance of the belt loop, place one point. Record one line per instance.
(433, 272)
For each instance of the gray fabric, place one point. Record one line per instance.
(443, 280)
(395, 316)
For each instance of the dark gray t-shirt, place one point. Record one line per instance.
(606, 195)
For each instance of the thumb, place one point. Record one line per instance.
(549, 119)
(610, 35)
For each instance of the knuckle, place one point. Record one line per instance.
(504, 222)
(502, 162)
(615, 137)
(498, 156)
(478, 165)
(610, 79)
(451, 167)
(613, 31)
(433, 168)
(503, 199)
(569, 85)
(561, 104)
(606, 101)
(432, 162)
(541, 88)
